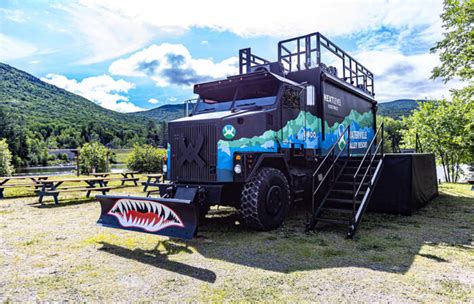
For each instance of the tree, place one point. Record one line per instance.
(93, 158)
(456, 50)
(163, 134)
(393, 133)
(446, 129)
(152, 137)
(146, 158)
(6, 168)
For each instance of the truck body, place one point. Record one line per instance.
(254, 140)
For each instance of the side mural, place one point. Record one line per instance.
(296, 133)
(362, 132)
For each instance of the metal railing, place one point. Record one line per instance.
(248, 60)
(368, 172)
(305, 52)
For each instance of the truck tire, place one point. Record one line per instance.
(265, 200)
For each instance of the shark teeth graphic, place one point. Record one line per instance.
(147, 215)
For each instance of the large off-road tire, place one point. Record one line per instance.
(265, 200)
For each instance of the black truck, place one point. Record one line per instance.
(302, 128)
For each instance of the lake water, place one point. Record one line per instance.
(61, 170)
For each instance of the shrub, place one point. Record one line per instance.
(146, 158)
(93, 158)
(6, 167)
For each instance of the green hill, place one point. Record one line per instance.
(48, 109)
(35, 115)
(397, 108)
(164, 113)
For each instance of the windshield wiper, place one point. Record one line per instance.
(207, 110)
(246, 104)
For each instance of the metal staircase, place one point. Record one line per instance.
(344, 182)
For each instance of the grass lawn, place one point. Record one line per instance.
(56, 253)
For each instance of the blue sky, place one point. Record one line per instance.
(135, 55)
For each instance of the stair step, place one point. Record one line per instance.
(342, 201)
(333, 220)
(345, 194)
(349, 183)
(298, 191)
(348, 211)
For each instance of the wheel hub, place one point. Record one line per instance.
(274, 200)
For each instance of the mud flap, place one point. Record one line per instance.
(173, 217)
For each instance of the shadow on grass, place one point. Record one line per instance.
(160, 259)
(388, 243)
(63, 203)
(384, 242)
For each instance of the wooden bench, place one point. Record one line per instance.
(2, 187)
(123, 180)
(55, 193)
(126, 176)
(50, 187)
(153, 180)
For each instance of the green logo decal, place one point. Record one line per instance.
(228, 131)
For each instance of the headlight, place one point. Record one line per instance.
(165, 168)
(237, 169)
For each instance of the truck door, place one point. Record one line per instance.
(293, 120)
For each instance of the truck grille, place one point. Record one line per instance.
(193, 152)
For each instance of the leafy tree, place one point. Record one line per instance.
(392, 133)
(146, 158)
(93, 158)
(152, 137)
(163, 134)
(456, 50)
(6, 168)
(446, 129)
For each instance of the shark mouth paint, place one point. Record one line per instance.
(147, 215)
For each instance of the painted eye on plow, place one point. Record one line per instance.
(147, 215)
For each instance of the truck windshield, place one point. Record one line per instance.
(245, 95)
(208, 105)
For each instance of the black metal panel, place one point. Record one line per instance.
(193, 153)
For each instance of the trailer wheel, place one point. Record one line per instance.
(265, 200)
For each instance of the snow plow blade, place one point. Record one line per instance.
(161, 216)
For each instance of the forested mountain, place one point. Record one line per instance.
(397, 108)
(35, 115)
(164, 113)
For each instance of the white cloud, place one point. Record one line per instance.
(103, 90)
(168, 64)
(107, 34)
(11, 48)
(14, 15)
(404, 76)
(113, 28)
(153, 101)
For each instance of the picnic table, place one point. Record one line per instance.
(52, 187)
(152, 180)
(34, 178)
(127, 176)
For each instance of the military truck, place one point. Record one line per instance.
(278, 134)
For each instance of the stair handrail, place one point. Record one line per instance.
(331, 151)
(369, 167)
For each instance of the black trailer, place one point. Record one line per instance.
(302, 128)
